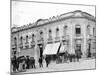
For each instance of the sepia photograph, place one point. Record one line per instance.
(52, 37)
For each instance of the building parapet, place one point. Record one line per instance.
(39, 22)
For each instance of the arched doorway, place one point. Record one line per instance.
(78, 47)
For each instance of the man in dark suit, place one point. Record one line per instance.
(27, 62)
(40, 62)
(47, 61)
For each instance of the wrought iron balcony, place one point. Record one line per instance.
(32, 44)
(78, 35)
(63, 37)
(27, 44)
(50, 40)
(21, 45)
(14, 46)
(89, 36)
(40, 40)
(57, 39)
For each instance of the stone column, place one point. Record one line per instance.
(36, 54)
(84, 40)
(72, 35)
(18, 49)
(84, 47)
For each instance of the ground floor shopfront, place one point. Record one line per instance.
(85, 46)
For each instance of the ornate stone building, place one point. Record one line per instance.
(75, 30)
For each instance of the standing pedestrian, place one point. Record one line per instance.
(40, 62)
(27, 62)
(47, 61)
(14, 63)
(33, 62)
(78, 54)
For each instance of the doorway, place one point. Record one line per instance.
(40, 50)
(78, 48)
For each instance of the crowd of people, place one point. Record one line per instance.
(66, 57)
(23, 63)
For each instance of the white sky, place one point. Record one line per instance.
(28, 12)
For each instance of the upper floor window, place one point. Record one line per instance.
(21, 39)
(50, 33)
(94, 32)
(41, 34)
(15, 40)
(32, 37)
(57, 32)
(65, 30)
(27, 38)
(88, 29)
(78, 29)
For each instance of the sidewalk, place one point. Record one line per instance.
(83, 64)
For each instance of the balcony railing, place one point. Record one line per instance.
(50, 40)
(21, 45)
(57, 39)
(27, 44)
(89, 36)
(40, 40)
(32, 44)
(63, 37)
(77, 35)
(14, 46)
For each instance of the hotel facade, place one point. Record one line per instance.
(74, 30)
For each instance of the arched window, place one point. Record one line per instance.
(32, 37)
(57, 32)
(65, 30)
(50, 33)
(21, 39)
(78, 29)
(26, 38)
(15, 40)
(88, 29)
(94, 32)
(41, 34)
